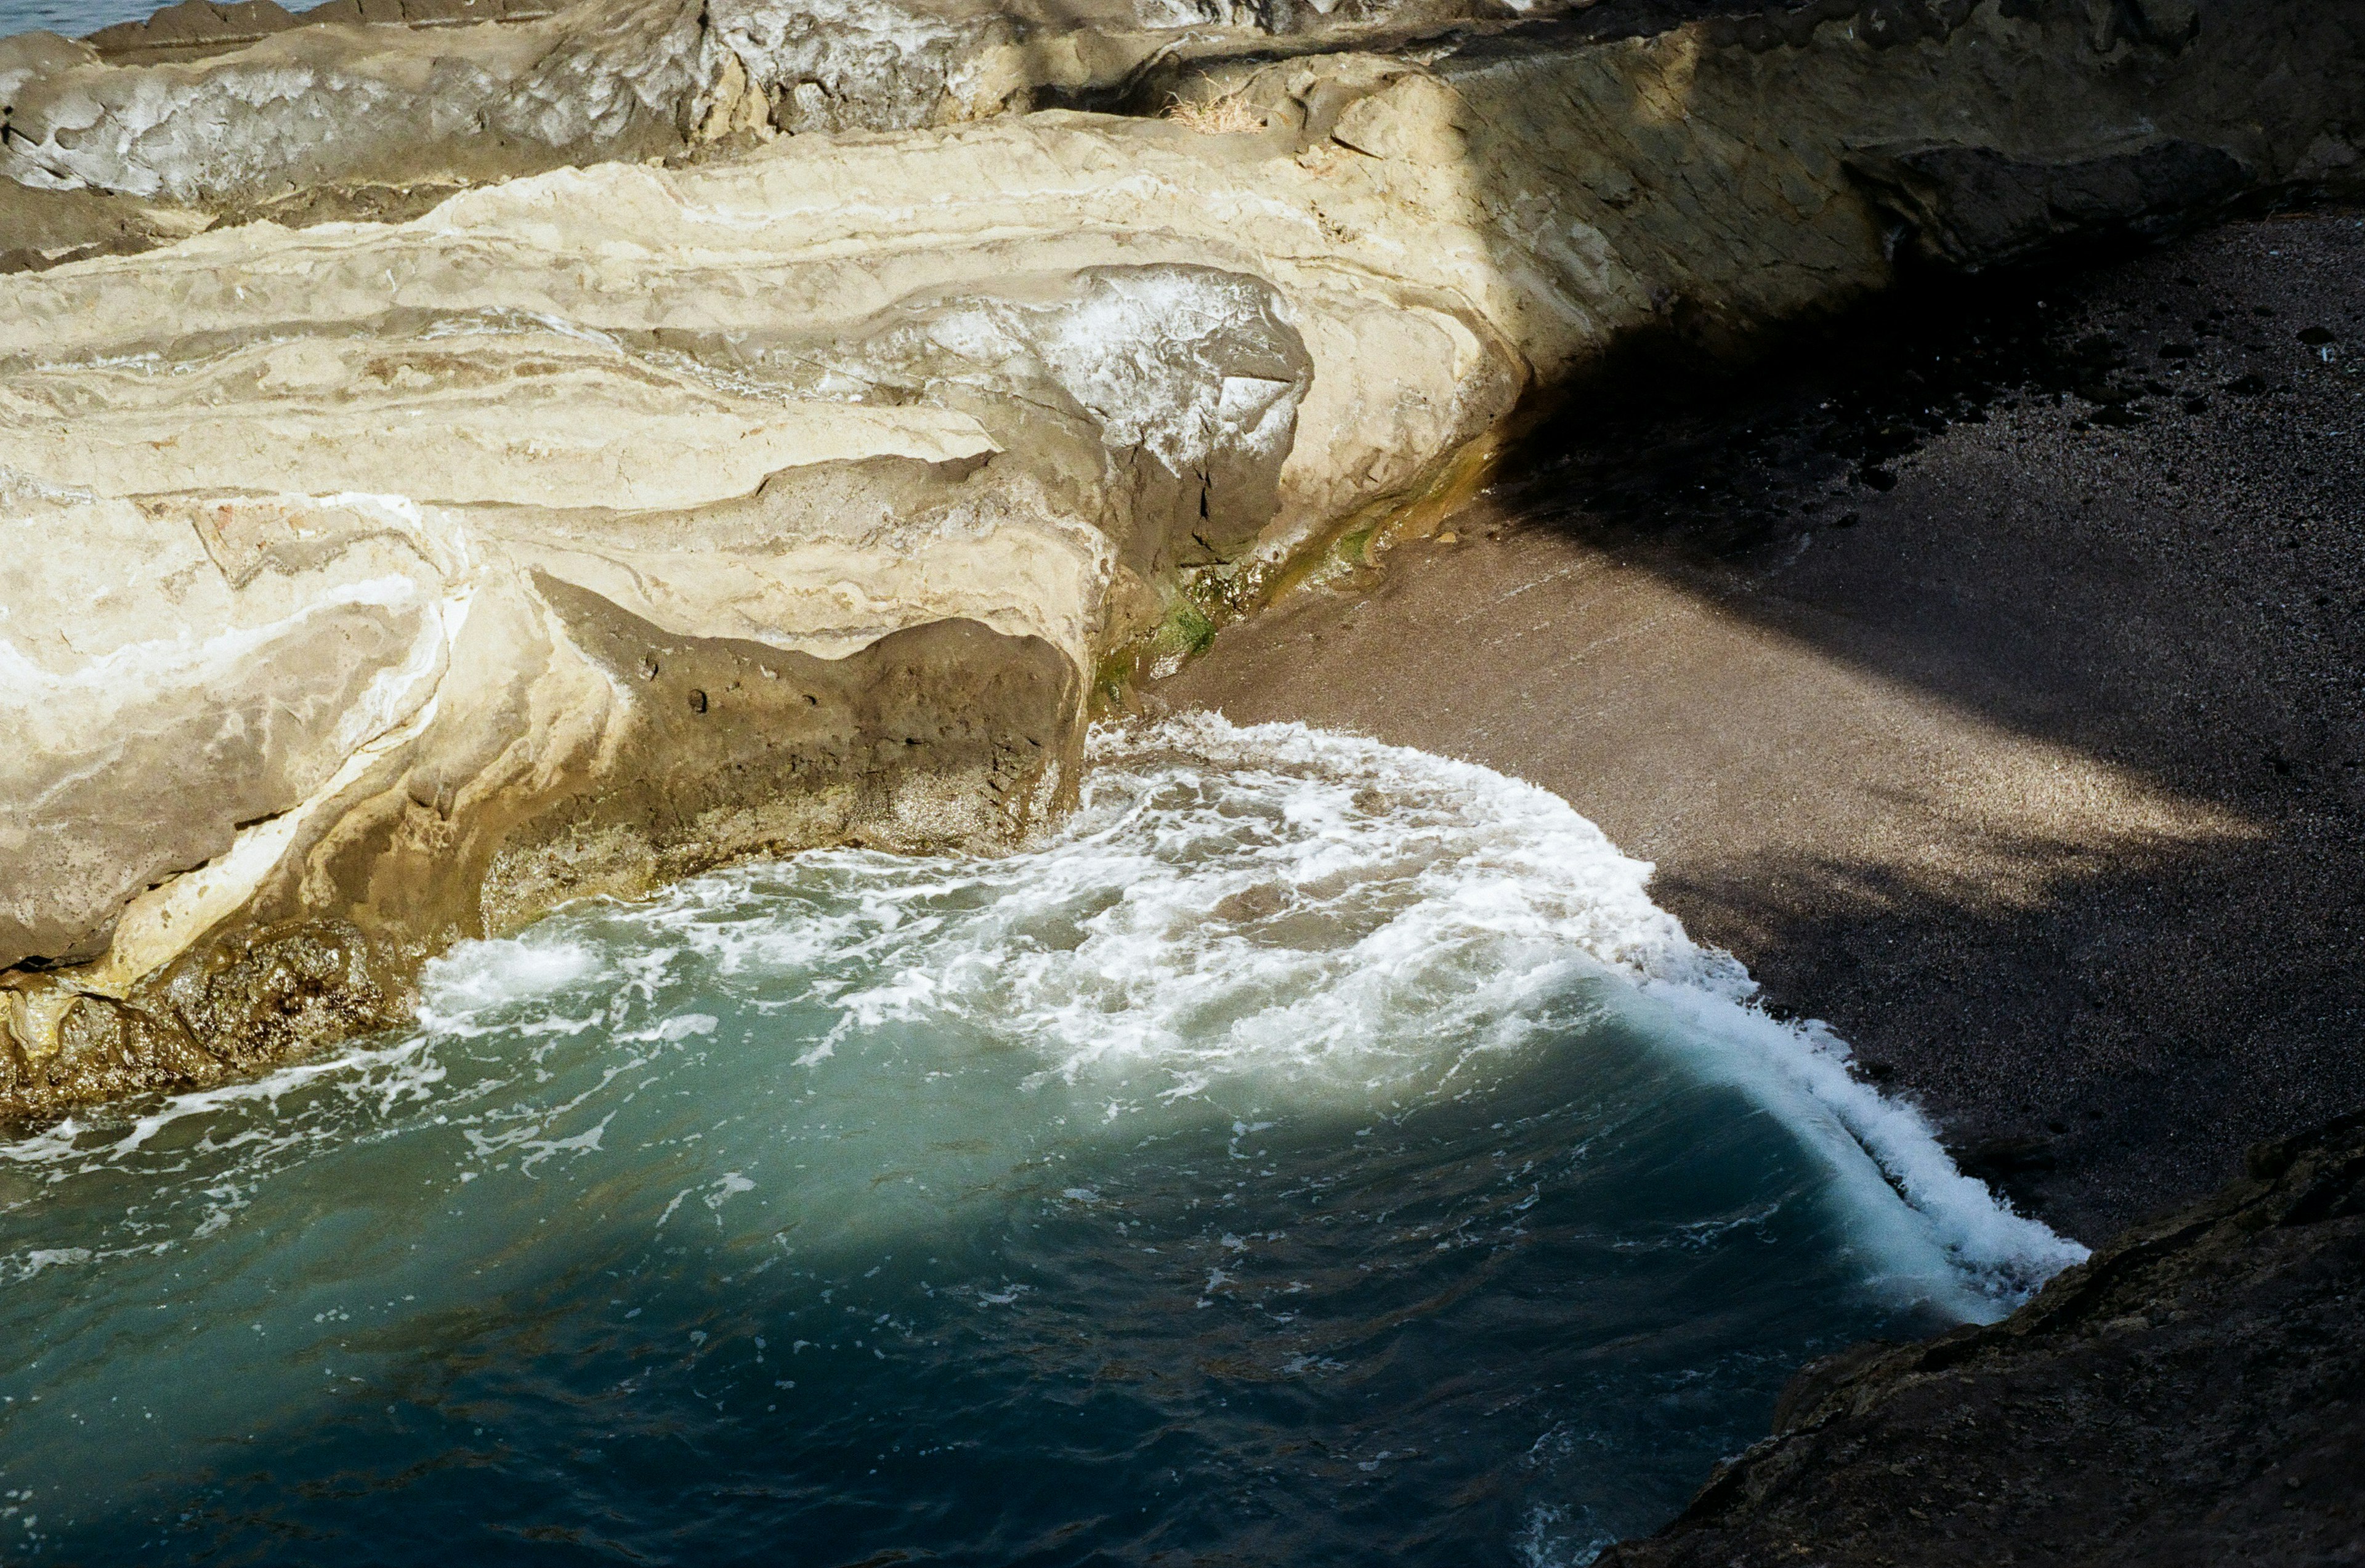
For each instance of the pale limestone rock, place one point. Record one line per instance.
(321, 104)
(533, 418)
(334, 103)
(389, 583)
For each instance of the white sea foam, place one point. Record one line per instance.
(1269, 931)
(1269, 915)
(1320, 914)
(387, 1075)
(477, 975)
(1476, 894)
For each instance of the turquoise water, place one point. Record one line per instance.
(1313, 1153)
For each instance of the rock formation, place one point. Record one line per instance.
(375, 584)
(216, 104)
(2192, 1394)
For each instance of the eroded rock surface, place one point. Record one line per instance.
(319, 105)
(240, 108)
(243, 106)
(383, 583)
(2194, 1394)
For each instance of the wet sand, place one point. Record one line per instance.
(1989, 673)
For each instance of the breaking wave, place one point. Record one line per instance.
(1306, 1138)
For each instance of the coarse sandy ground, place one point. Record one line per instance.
(1986, 670)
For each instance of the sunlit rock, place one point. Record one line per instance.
(382, 583)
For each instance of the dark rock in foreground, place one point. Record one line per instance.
(2195, 1393)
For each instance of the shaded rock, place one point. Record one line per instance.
(42, 228)
(241, 104)
(1973, 206)
(2192, 1394)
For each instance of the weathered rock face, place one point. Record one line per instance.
(1973, 207)
(243, 104)
(250, 728)
(379, 584)
(318, 106)
(2194, 1394)
(388, 622)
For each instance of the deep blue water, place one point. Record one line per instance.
(1313, 1154)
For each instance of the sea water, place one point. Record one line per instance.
(76, 18)
(1309, 1152)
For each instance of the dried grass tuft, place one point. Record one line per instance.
(1226, 116)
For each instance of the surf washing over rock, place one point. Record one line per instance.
(1473, 872)
(1403, 1145)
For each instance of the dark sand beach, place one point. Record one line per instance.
(1983, 670)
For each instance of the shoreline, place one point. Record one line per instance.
(1991, 695)
(468, 471)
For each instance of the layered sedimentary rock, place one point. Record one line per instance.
(2194, 1394)
(244, 104)
(321, 104)
(374, 584)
